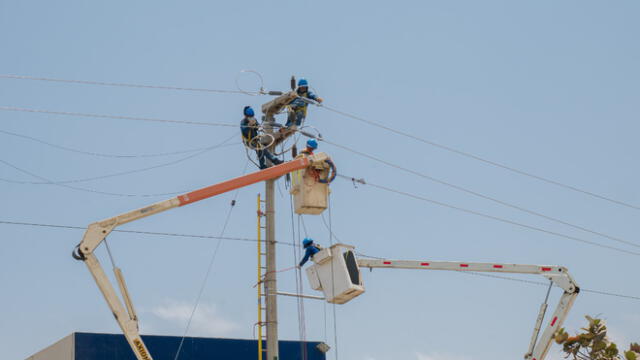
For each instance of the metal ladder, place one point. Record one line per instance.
(262, 268)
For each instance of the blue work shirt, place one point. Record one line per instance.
(298, 104)
(308, 253)
(248, 128)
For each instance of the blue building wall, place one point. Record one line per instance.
(90, 346)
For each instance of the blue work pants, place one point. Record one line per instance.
(296, 117)
(265, 154)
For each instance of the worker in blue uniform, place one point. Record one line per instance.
(310, 249)
(312, 144)
(249, 131)
(298, 106)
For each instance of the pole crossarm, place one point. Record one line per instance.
(558, 275)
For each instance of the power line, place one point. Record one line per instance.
(350, 150)
(340, 112)
(48, 181)
(486, 197)
(332, 143)
(141, 232)
(170, 234)
(122, 173)
(388, 164)
(482, 159)
(128, 85)
(496, 218)
(502, 277)
(99, 154)
(118, 117)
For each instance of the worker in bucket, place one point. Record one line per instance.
(298, 106)
(310, 249)
(312, 144)
(249, 131)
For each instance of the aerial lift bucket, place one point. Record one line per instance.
(335, 272)
(310, 186)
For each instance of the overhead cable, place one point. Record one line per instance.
(118, 117)
(423, 176)
(492, 217)
(340, 112)
(482, 159)
(152, 233)
(72, 187)
(169, 234)
(128, 172)
(99, 154)
(116, 84)
(486, 197)
(342, 147)
(431, 178)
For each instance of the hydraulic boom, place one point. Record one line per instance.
(125, 314)
(558, 275)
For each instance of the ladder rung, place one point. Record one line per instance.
(263, 253)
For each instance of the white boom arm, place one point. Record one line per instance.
(558, 275)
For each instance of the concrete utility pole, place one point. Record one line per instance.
(270, 109)
(270, 286)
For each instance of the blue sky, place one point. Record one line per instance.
(547, 87)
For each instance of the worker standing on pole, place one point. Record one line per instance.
(299, 106)
(249, 131)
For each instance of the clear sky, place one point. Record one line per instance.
(548, 87)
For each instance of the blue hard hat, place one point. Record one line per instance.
(303, 82)
(248, 111)
(307, 241)
(312, 143)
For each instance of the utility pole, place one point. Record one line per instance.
(270, 286)
(269, 110)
